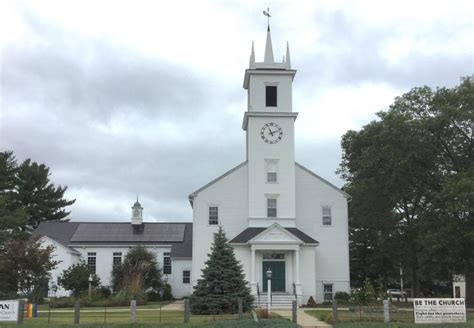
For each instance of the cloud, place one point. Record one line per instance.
(120, 98)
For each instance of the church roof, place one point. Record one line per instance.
(71, 234)
(249, 233)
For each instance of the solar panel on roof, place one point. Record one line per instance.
(117, 232)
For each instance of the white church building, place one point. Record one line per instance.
(277, 214)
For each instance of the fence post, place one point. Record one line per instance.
(77, 312)
(334, 312)
(186, 310)
(133, 311)
(240, 306)
(386, 312)
(294, 307)
(21, 311)
(105, 313)
(49, 311)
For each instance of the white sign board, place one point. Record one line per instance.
(439, 310)
(9, 310)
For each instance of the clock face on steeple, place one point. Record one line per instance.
(271, 133)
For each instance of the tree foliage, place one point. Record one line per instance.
(24, 266)
(222, 281)
(138, 273)
(411, 177)
(76, 279)
(28, 195)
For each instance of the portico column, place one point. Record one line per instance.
(253, 283)
(297, 266)
(297, 275)
(252, 269)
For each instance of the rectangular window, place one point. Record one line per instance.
(271, 166)
(167, 263)
(91, 261)
(186, 276)
(271, 177)
(213, 215)
(327, 292)
(271, 96)
(271, 207)
(117, 259)
(327, 220)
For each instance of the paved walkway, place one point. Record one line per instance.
(176, 305)
(303, 319)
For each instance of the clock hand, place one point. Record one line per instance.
(271, 132)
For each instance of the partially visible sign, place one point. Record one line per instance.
(439, 310)
(9, 310)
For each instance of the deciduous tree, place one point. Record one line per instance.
(410, 173)
(24, 266)
(76, 279)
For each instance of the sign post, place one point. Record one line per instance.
(439, 310)
(10, 311)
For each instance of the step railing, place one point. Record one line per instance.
(258, 295)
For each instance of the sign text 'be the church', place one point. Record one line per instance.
(439, 310)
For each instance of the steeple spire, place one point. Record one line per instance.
(252, 58)
(268, 59)
(288, 60)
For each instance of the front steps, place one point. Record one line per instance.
(279, 301)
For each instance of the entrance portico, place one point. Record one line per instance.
(278, 249)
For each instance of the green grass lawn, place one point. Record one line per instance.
(274, 323)
(373, 317)
(398, 325)
(96, 317)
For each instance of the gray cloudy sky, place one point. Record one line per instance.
(127, 97)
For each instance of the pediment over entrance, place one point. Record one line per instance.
(275, 234)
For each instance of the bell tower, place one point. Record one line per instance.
(269, 125)
(137, 213)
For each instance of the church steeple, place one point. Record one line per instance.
(268, 59)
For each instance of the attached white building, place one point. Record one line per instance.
(103, 245)
(277, 214)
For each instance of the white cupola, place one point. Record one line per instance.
(137, 213)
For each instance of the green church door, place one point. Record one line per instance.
(278, 275)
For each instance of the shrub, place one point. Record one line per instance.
(104, 292)
(342, 297)
(262, 313)
(325, 316)
(154, 295)
(138, 273)
(311, 302)
(76, 278)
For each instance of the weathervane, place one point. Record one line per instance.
(267, 13)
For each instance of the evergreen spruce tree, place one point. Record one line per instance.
(222, 281)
